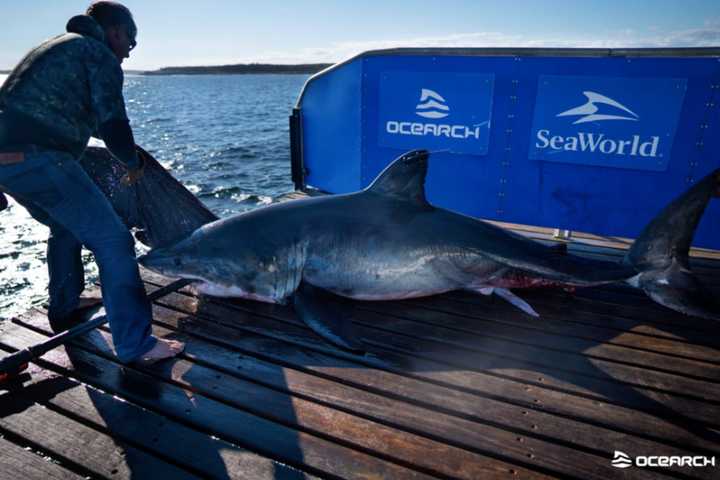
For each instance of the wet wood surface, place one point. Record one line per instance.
(453, 386)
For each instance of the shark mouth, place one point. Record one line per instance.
(589, 110)
(218, 290)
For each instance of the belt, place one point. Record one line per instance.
(10, 158)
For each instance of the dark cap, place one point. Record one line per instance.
(110, 14)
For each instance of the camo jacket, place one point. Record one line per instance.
(59, 94)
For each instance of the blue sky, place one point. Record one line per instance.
(208, 32)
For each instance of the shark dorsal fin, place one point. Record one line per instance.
(404, 178)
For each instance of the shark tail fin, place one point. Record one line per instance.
(661, 253)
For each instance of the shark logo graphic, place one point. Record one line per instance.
(588, 111)
(433, 106)
(621, 460)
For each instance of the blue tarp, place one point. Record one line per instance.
(595, 141)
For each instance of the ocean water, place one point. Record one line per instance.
(225, 137)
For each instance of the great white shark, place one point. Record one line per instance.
(387, 242)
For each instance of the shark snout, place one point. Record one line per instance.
(160, 260)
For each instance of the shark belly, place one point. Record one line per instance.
(388, 273)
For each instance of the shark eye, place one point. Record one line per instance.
(178, 262)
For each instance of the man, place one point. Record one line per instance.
(63, 91)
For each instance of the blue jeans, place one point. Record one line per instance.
(57, 192)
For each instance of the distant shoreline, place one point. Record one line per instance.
(252, 68)
(237, 69)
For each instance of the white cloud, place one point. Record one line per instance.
(706, 36)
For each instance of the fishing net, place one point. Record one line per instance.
(159, 208)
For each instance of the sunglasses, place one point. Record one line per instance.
(131, 34)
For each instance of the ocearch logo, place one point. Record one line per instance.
(594, 142)
(433, 106)
(623, 460)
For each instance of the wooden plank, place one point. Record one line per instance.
(17, 462)
(450, 313)
(198, 452)
(602, 307)
(473, 330)
(573, 316)
(340, 426)
(274, 341)
(563, 460)
(69, 440)
(405, 415)
(297, 448)
(445, 428)
(617, 382)
(620, 384)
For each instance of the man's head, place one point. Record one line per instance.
(119, 26)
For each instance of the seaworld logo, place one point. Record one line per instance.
(432, 105)
(589, 109)
(633, 145)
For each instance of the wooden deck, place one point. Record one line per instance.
(456, 386)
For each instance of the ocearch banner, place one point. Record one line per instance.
(604, 121)
(435, 110)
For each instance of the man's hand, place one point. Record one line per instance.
(133, 175)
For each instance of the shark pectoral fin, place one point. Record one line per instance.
(515, 300)
(328, 316)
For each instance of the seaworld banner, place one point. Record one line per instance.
(606, 121)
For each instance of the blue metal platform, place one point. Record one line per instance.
(591, 140)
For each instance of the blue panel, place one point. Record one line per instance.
(599, 127)
(505, 175)
(331, 129)
(435, 110)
